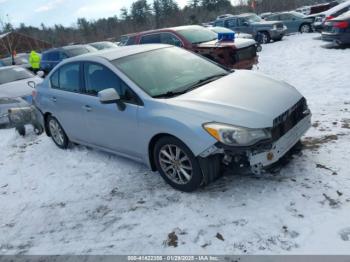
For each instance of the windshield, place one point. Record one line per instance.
(77, 51)
(253, 18)
(103, 45)
(167, 70)
(14, 74)
(300, 15)
(198, 35)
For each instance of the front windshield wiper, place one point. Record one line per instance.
(192, 86)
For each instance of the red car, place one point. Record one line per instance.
(237, 54)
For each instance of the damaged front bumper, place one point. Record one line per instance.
(260, 160)
(263, 155)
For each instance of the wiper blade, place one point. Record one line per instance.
(191, 87)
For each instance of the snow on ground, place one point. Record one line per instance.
(84, 201)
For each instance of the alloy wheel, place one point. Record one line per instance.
(56, 132)
(175, 164)
(305, 29)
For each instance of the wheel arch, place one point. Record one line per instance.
(46, 128)
(151, 146)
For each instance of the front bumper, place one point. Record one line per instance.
(278, 33)
(260, 160)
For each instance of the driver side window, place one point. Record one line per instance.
(170, 39)
(98, 77)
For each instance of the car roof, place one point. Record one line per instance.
(336, 8)
(177, 28)
(123, 51)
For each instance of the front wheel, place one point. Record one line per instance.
(177, 164)
(263, 38)
(57, 133)
(305, 28)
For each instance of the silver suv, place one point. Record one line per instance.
(179, 113)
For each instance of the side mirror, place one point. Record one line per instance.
(40, 74)
(110, 96)
(31, 84)
(245, 23)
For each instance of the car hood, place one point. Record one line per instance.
(18, 88)
(243, 98)
(238, 43)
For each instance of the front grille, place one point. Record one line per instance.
(246, 53)
(286, 121)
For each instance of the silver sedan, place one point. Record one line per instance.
(179, 113)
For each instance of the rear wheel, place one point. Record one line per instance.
(177, 164)
(305, 28)
(57, 133)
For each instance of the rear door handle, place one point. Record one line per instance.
(87, 108)
(53, 99)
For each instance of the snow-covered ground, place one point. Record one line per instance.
(83, 201)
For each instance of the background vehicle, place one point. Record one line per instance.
(182, 115)
(336, 11)
(52, 57)
(218, 29)
(263, 15)
(103, 45)
(338, 30)
(294, 21)
(21, 59)
(14, 89)
(305, 10)
(315, 9)
(240, 54)
(263, 31)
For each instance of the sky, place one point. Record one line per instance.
(65, 12)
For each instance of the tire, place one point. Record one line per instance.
(21, 130)
(57, 133)
(185, 175)
(305, 28)
(265, 37)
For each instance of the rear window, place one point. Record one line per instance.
(77, 51)
(150, 39)
(9, 75)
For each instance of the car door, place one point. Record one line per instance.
(66, 102)
(244, 26)
(110, 128)
(232, 24)
(290, 21)
(53, 59)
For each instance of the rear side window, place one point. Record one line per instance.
(67, 78)
(98, 77)
(150, 39)
(170, 39)
(220, 23)
(231, 23)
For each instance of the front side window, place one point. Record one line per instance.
(150, 39)
(171, 69)
(98, 77)
(67, 78)
(170, 39)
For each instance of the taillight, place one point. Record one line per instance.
(341, 25)
(329, 18)
(34, 94)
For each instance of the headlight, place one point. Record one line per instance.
(236, 136)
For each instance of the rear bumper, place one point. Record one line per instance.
(339, 38)
(262, 160)
(246, 64)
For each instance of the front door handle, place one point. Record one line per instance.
(87, 108)
(53, 99)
